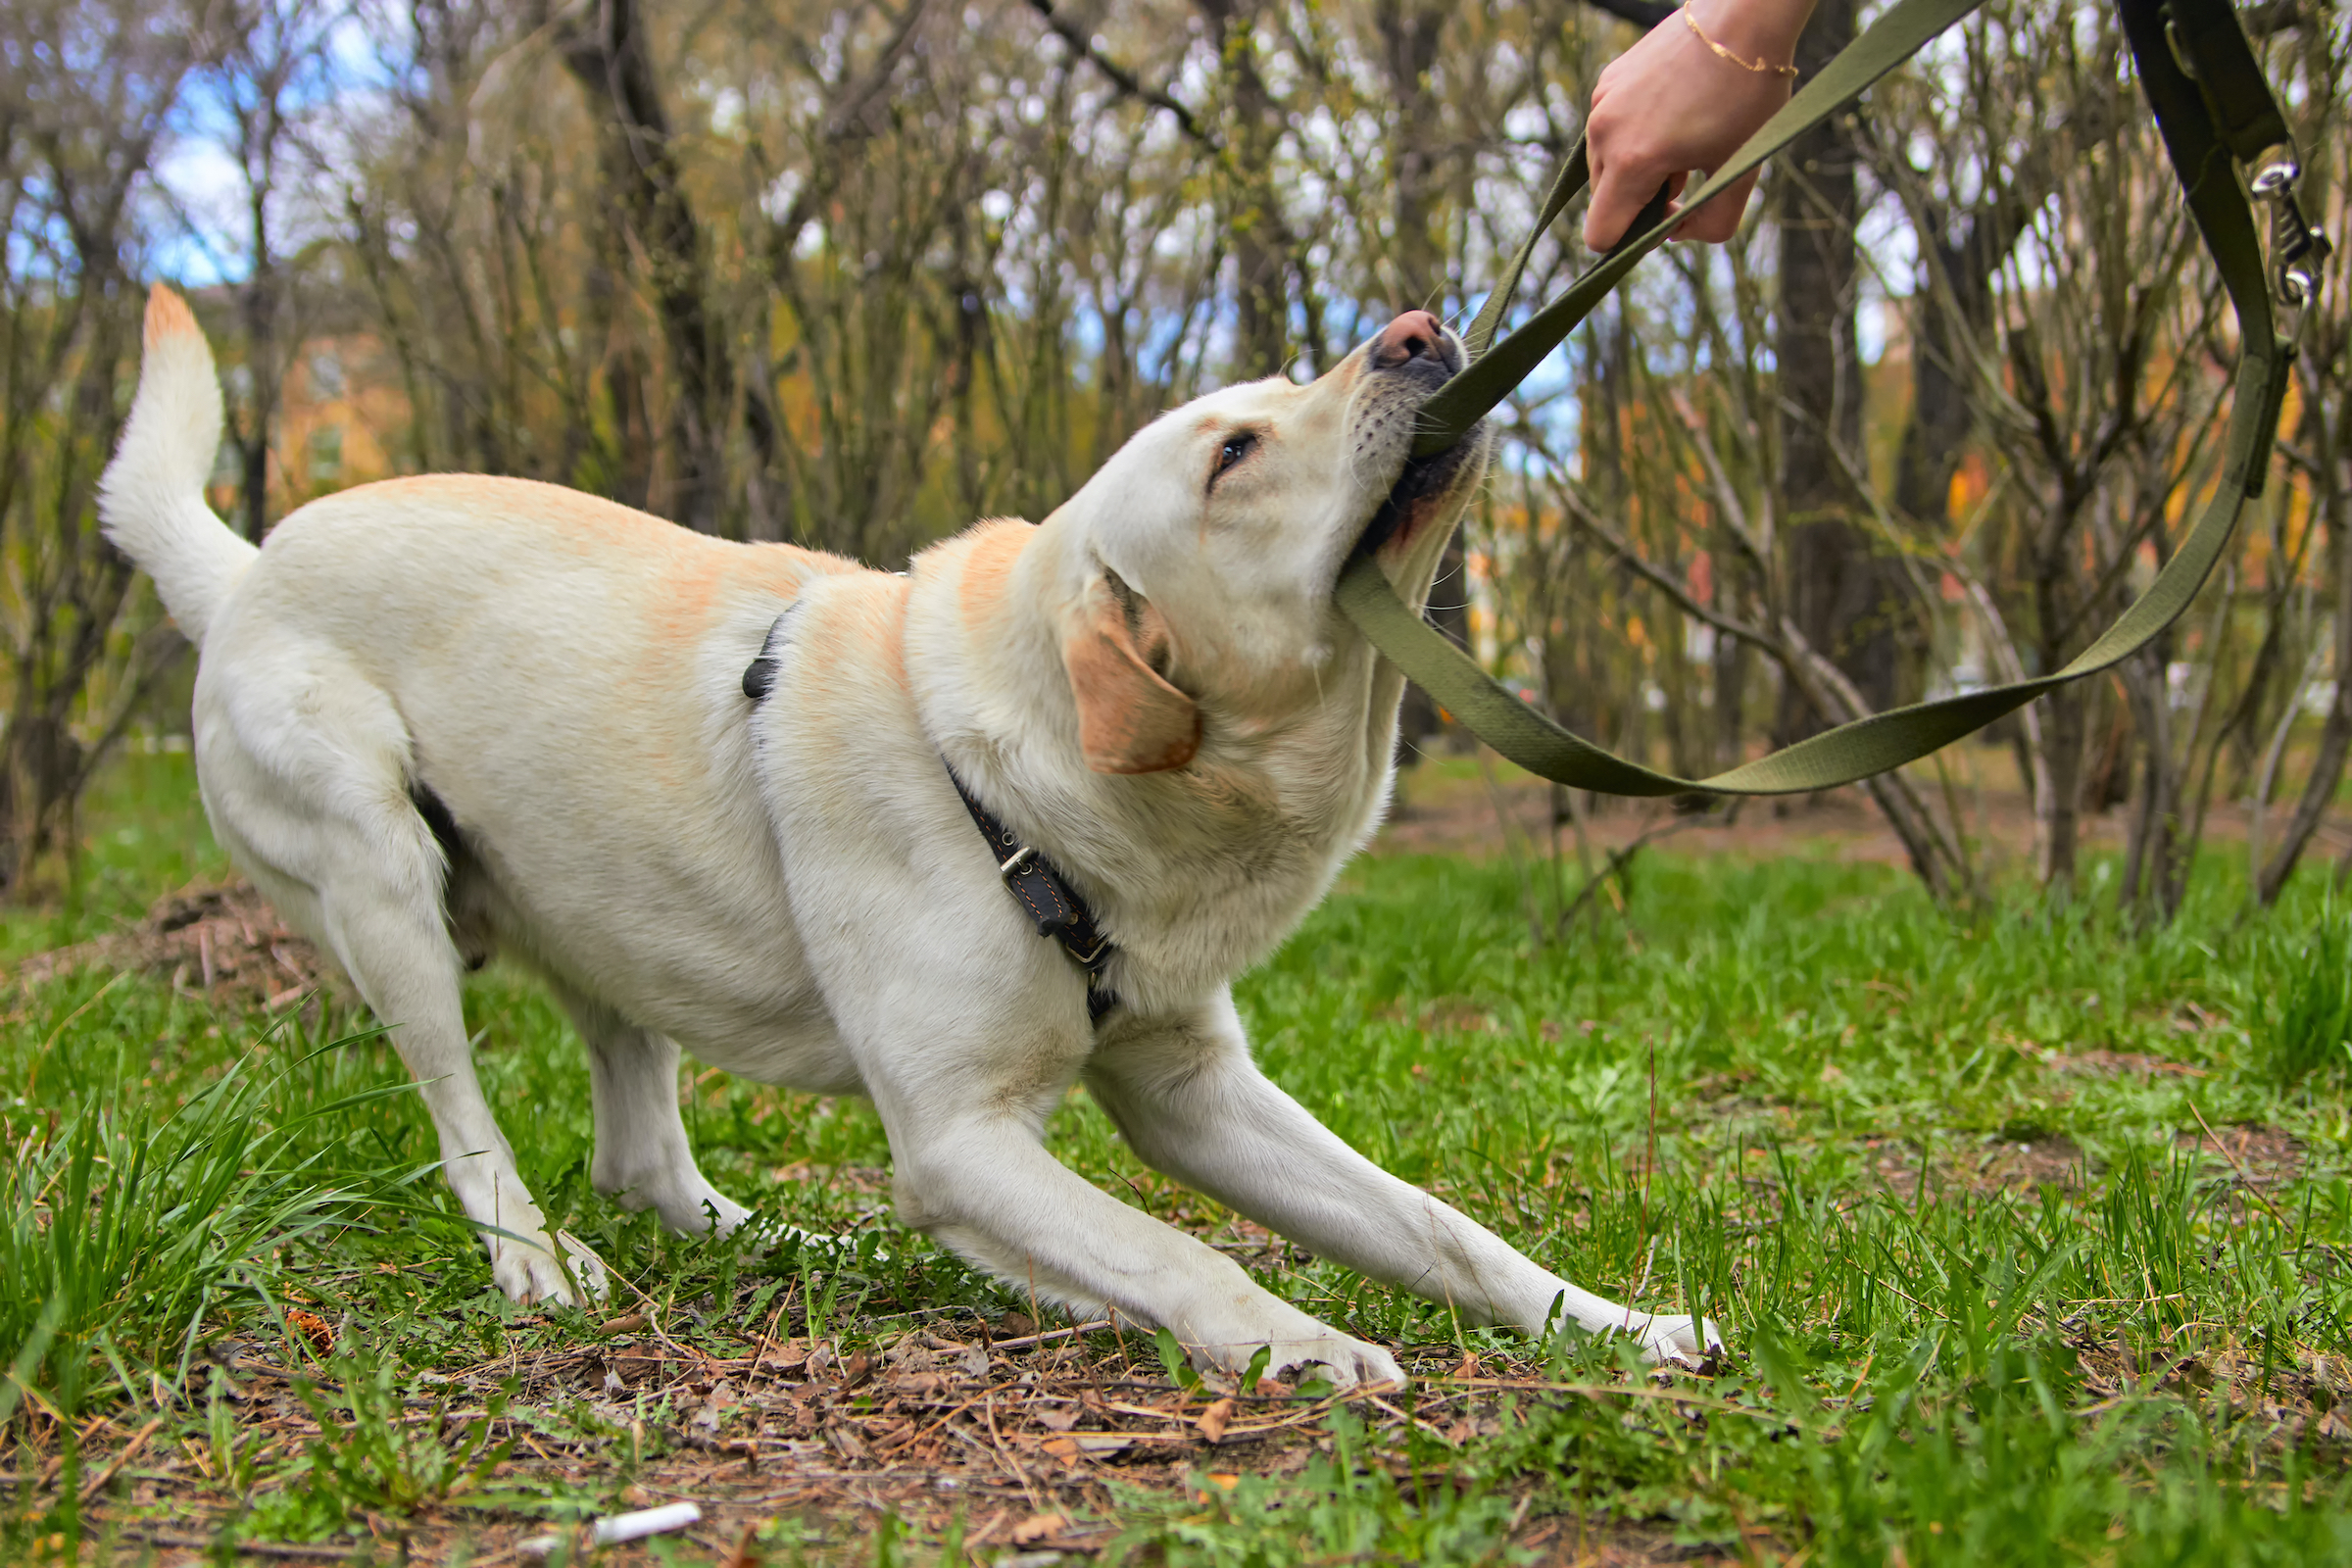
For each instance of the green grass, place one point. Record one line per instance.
(129, 1227)
(1787, 1095)
(2308, 1021)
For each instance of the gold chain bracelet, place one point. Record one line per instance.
(1759, 67)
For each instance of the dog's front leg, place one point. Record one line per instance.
(641, 1156)
(1194, 1104)
(970, 1171)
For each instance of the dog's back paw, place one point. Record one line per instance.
(563, 1272)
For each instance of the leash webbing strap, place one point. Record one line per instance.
(2225, 112)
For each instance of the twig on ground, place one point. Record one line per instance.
(1048, 1336)
(2244, 1179)
(130, 1450)
(257, 1549)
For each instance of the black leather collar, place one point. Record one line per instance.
(1053, 904)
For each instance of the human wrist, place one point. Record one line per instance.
(1761, 30)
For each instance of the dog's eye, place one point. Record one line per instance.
(1237, 446)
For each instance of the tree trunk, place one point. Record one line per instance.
(2324, 437)
(257, 304)
(1956, 305)
(613, 59)
(261, 302)
(1839, 590)
(1734, 658)
(43, 762)
(1408, 33)
(2058, 830)
(1253, 225)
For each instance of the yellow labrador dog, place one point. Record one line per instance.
(439, 715)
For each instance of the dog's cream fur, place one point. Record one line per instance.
(1152, 687)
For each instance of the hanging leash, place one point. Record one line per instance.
(2215, 110)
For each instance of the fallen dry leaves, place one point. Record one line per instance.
(220, 941)
(1024, 1443)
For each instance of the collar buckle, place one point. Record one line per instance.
(1054, 906)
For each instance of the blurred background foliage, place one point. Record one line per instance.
(852, 275)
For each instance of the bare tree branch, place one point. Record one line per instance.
(1642, 14)
(1127, 82)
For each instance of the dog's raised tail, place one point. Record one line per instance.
(151, 498)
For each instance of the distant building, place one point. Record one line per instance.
(340, 412)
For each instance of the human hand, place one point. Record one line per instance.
(1669, 105)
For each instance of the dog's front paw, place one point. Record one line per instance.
(526, 1270)
(1678, 1340)
(1344, 1363)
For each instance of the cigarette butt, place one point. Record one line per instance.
(623, 1527)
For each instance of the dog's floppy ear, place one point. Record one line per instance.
(1130, 721)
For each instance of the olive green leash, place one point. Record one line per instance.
(2216, 116)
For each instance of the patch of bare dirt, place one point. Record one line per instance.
(2029, 1163)
(2262, 1155)
(1998, 1164)
(219, 941)
(1465, 816)
(2119, 1065)
(2301, 1397)
(2258, 1156)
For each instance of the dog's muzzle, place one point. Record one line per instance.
(1415, 356)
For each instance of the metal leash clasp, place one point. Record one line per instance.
(2298, 251)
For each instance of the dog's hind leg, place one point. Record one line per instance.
(403, 963)
(320, 814)
(641, 1156)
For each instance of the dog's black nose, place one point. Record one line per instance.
(1414, 336)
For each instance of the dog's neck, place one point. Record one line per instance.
(1195, 872)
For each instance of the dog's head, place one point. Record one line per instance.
(1200, 562)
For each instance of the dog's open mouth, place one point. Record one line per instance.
(1417, 493)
